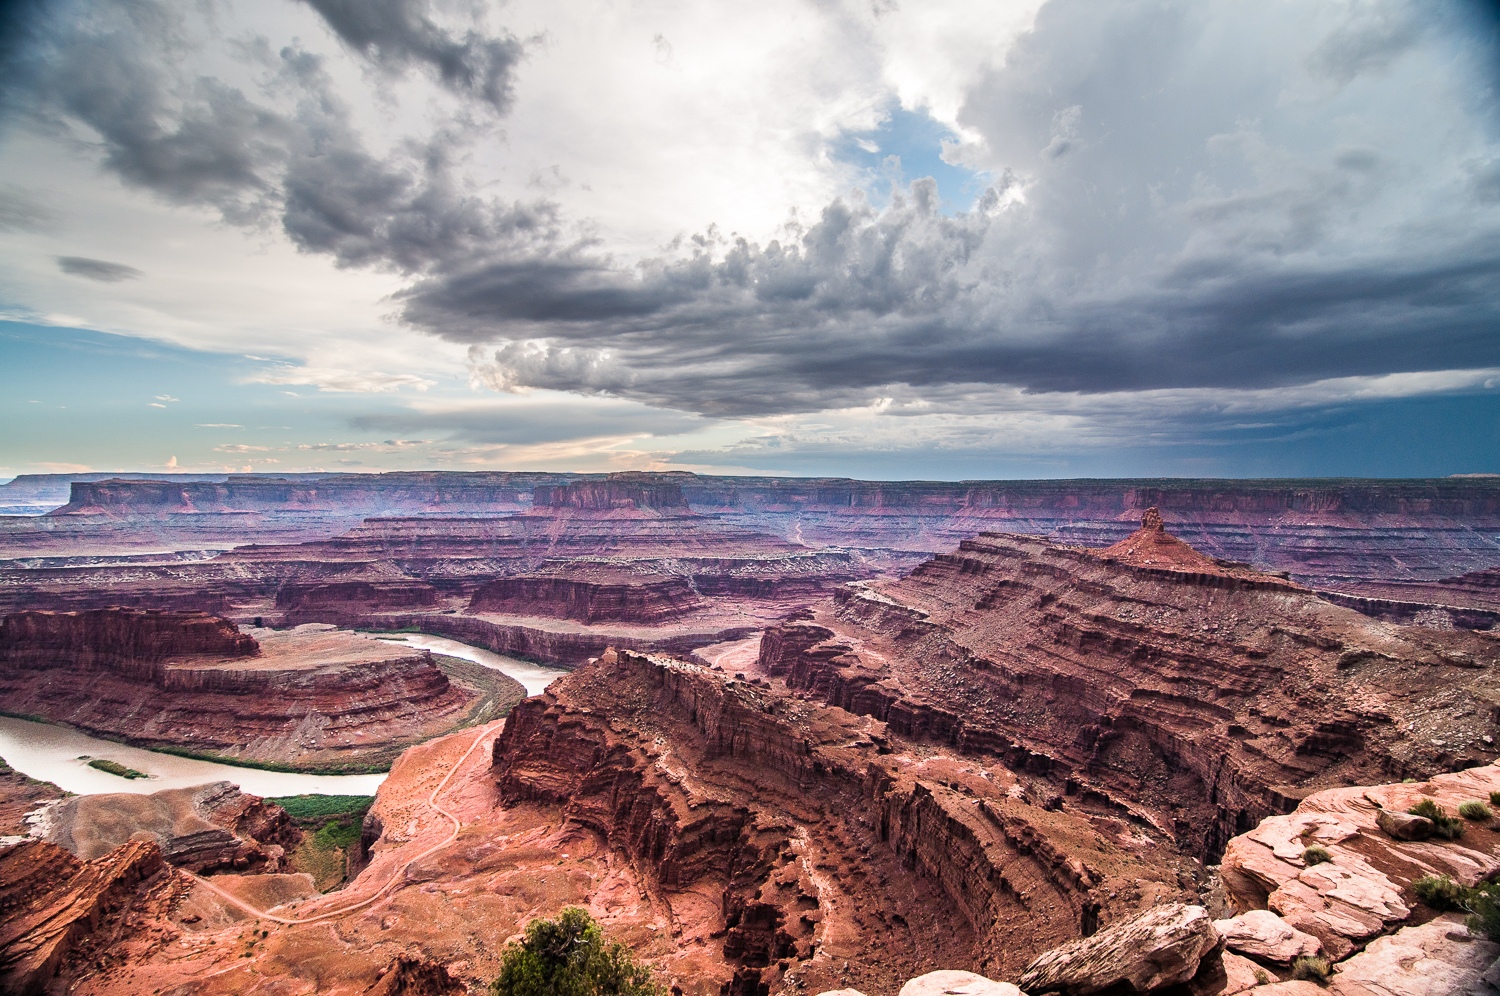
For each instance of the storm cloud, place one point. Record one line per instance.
(1191, 195)
(397, 33)
(1180, 196)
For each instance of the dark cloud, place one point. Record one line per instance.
(1192, 195)
(1369, 43)
(191, 141)
(523, 425)
(397, 33)
(200, 141)
(1191, 214)
(97, 269)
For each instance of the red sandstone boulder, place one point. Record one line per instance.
(1262, 934)
(1230, 975)
(1157, 948)
(949, 982)
(1439, 958)
(1404, 826)
(1359, 894)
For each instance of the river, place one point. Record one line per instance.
(52, 753)
(534, 677)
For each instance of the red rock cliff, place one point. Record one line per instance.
(1201, 695)
(637, 600)
(131, 641)
(739, 788)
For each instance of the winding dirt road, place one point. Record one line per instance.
(396, 876)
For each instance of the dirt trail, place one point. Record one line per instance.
(396, 876)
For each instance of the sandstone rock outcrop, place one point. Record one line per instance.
(1263, 935)
(67, 909)
(319, 699)
(127, 641)
(202, 829)
(715, 783)
(1438, 958)
(1158, 948)
(19, 797)
(1199, 695)
(951, 982)
(617, 597)
(1366, 889)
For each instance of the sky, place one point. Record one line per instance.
(881, 239)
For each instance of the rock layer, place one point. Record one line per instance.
(1366, 889)
(1196, 694)
(202, 829)
(66, 904)
(718, 785)
(622, 598)
(320, 699)
(1159, 948)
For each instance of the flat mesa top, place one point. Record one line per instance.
(307, 647)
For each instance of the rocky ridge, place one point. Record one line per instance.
(158, 679)
(1197, 695)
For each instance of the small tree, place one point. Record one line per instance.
(569, 957)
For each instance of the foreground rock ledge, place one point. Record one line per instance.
(1160, 947)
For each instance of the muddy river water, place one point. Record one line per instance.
(59, 754)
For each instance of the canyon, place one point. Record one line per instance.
(308, 698)
(817, 734)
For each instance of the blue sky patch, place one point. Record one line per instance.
(916, 139)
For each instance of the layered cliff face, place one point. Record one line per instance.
(618, 598)
(825, 837)
(1199, 694)
(206, 828)
(309, 698)
(61, 911)
(124, 639)
(183, 513)
(624, 492)
(1322, 531)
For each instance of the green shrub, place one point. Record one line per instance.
(1262, 977)
(1316, 854)
(1474, 810)
(1495, 798)
(1440, 892)
(1310, 970)
(1484, 912)
(569, 957)
(115, 768)
(1447, 826)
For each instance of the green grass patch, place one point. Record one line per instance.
(115, 768)
(1316, 854)
(331, 826)
(317, 807)
(1475, 810)
(377, 766)
(30, 717)
(338, 834)
(1311, 970)
(1440, 892)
